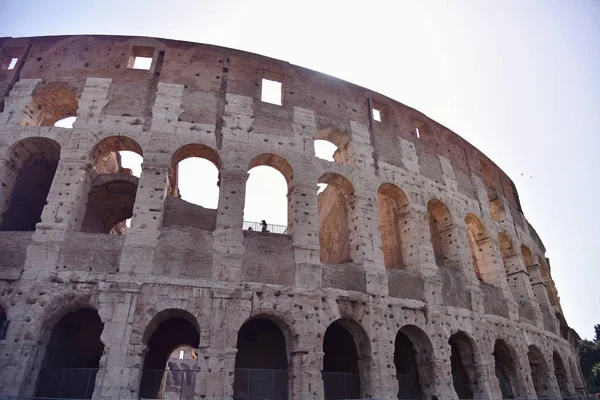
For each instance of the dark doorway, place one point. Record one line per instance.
(72, 357)
(406, 368)
(340, 364)
(505, 369)
(170, 334)
(462, 355)
(261, 366)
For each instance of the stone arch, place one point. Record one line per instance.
(262, 359)
(72, 355)
(440, 229)
(347, 360)
(284, 321)
(527, 257)
(393, 209)
(345, 153)
(105, 153)
(278, 195)
(50, 103)
(190, 150)
(506, 370)
(481, 247)
(413, 359)
(27, 175)
(497, 210)
(169, 330)
(334, 205)
(540, 374)
(561, 374)
(464, 362)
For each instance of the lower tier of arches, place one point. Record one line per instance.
(131, 340)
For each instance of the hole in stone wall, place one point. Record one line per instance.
(325, 150)
(328, 137)
(376, 115)
(418, 133)
(65, 122)
(141, 58)
(440, 224)
(463, 366)
(271, 91)
(197, 180)
(49, 104)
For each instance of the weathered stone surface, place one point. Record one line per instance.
(416, 261)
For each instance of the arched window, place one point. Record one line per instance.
(539, 372)
(497, 208)
(480, 245)
(334, 140)
(72, 356)
(506, 370)
(345, 348)
(413, 354)
(113, 189)
(28, 173)
(49, 104)
(393, 210)
(267, 191)
(261, 364)
(193, 193)
(561, 375)
(463, 366)
(440, 224)
(334, 223)
(527, 258)
(165, 336)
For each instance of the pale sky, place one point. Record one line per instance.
(517, 79)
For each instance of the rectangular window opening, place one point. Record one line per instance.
(13, 63)
(376, 115)
(141, 58)
(418, 133)
(181, 352)
(271, 92)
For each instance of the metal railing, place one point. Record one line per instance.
(341, 385)
(67, 383)
(171, 384)
(260, 384)
(257, 226)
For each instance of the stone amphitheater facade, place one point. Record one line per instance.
(413, 275)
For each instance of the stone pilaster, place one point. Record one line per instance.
(215, 377)
(518, 282)
(540, 293)
(228, 237)
(17, 103)
(148, 210)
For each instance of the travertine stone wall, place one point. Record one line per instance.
(181, 261)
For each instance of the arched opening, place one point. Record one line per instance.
(463, 366)
(334, 224)
(327, 138)
(440, 224)
(393, 210)
(261, 363)
(346, 349)
(480, 245)
(49, 104)
(561, 375)
(65, 122)
(28, 174)
(72, 357)
(168, 333)
(505, 370)
(193, 193)
(413, 360)
(113, 189)
(539, 372)
(3, 323)
(527, 258)
(179, 379)
(270, 179)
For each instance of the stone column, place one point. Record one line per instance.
(304, 230)
(416, 248)
(540, 293)
(148, 209)
(458, 253)
(518, 282)
(121, 363)
(365, 241)
(228, 245)
(215, 376)
(17, 102)
(306, 379)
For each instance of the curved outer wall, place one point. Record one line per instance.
(222, 276)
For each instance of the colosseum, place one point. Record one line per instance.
(413, 275)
